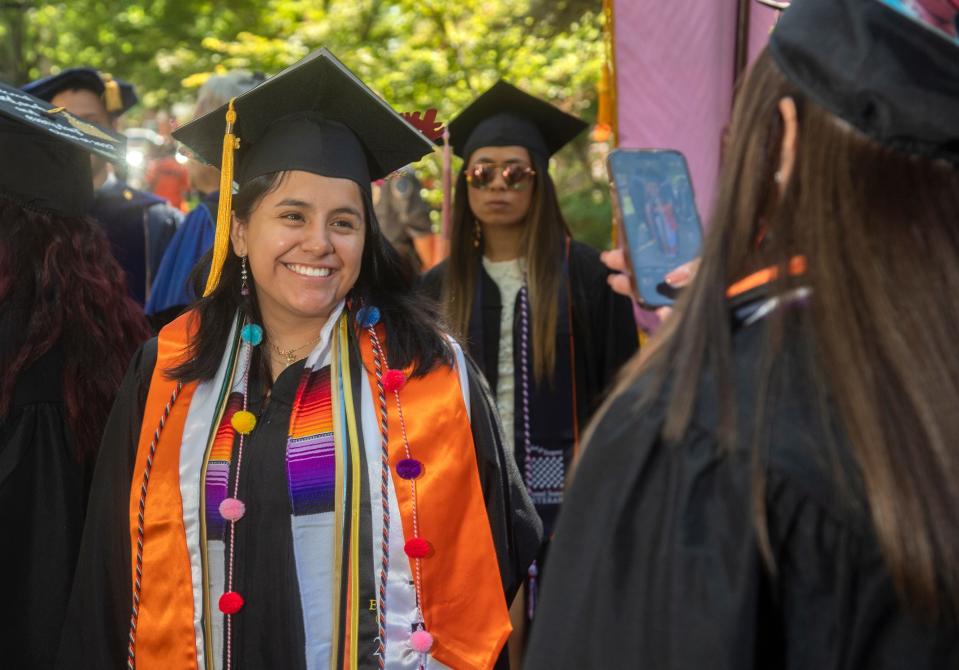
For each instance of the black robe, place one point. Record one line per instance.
(656, 552)
(604, 334)
(97, 624)
(43, 493)
(139, 226)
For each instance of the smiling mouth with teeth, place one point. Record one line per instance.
(308, 271)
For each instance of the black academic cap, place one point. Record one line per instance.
(118, 96)
(45, 153)
(506, 116)
(315, 116)
(876, 65)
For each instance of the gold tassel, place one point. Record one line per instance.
(224, 212)
(111, 94)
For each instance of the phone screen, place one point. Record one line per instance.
(659, 223)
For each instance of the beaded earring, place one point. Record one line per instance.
(244, 288)
(477, 235)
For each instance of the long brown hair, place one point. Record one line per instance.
(60, 284)
(879, 231)
(545, 232)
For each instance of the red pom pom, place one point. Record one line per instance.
(393, 380)
(231, 602)
(418, 548)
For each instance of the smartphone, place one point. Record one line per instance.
(659, 226)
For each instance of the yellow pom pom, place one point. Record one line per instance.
(243, 422)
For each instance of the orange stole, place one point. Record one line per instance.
(165, 635)
(463, 601)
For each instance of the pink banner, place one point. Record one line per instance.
(675, 65)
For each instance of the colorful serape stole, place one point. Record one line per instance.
(310, 450)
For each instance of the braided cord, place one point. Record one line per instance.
(384, 496)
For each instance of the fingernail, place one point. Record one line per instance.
(676, 276)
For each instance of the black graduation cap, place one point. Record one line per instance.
(506, 116)
(118, 96)
(314, 116)
(878, 66)
(45, 153)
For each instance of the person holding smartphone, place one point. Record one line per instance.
(773, 485)
(531, 303)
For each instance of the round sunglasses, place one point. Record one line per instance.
(516, 177)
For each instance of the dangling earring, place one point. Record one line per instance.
(244, 288)
(477, 234)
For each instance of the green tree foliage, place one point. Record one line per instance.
(416, 53)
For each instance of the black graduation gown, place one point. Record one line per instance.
(604, 335)
(604, 329)
(139, 226)
(656, 553)
(43, 492)
(96, 632)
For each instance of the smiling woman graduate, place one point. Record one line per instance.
(312, 476)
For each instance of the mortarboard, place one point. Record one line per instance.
(506, 116)
(118, 96)
(314, 116)
(877, 65)
(45, 153)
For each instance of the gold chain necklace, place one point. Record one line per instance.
(289, 355)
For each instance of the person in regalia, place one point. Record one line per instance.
(138, 224)
(67, 331)
(531, 303)
(773, 484)
(302, 471)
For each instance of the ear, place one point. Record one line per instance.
(238, 236)
(787, 150)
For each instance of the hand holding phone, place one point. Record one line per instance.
(656, 214)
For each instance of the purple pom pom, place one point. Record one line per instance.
(409, 468)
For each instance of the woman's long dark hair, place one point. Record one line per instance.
(879, 231)
(413, 337)
(60, 283)
(545, 233)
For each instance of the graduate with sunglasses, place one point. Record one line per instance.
(303, 471)
(531, 303)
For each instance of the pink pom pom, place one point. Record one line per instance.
(231, 602)
(418, 548)
(393, 380)
(421, 641)
(232, 509)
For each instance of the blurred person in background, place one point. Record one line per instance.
(774, 483)
(166, 177)
(405, 217)
(139, 225)
(67, 331)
